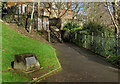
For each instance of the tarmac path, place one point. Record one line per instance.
(81, 65)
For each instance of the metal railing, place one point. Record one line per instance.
(104, 46)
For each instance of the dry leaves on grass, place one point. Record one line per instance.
(3, 50)
(9, 68)
(34, 79)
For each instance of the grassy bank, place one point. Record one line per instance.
(16, 43)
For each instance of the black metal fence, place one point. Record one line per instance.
(105, 46)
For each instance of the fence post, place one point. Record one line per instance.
(102, 45)
(92, 43)
(79, 39)
(102, 41)
(48, 31)
(116, 44)
(92, 37)
(75, 35)
(85, 41)
(109, 34)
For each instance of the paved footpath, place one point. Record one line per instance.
(81, 65)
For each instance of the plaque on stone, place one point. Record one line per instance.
(26, 62)
(30, 60)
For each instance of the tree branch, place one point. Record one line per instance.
(66, 10)
(112, 17)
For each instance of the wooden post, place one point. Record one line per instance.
(79, 38)
(92, 43)
(116, 44)
(92, 37)
(85, 41)
(75, 35)
(102, 41)
(48, 35)
(109, 35)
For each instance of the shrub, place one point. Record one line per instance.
(115, 60)
(70, 26)
(98, 29)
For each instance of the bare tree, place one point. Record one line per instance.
(114, 15)
(79, 9)
(56, 7)
(98, 13)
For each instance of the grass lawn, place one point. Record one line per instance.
(16, 43)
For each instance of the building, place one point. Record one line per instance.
(43, 20)
(42, 12)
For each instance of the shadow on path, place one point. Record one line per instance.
(81, 65)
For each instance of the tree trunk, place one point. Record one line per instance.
(38, 8)
(50, 16)
(30, 29)
(114, 17)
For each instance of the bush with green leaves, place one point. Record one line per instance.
(98, 29)
(114, 60)
(70, 26)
